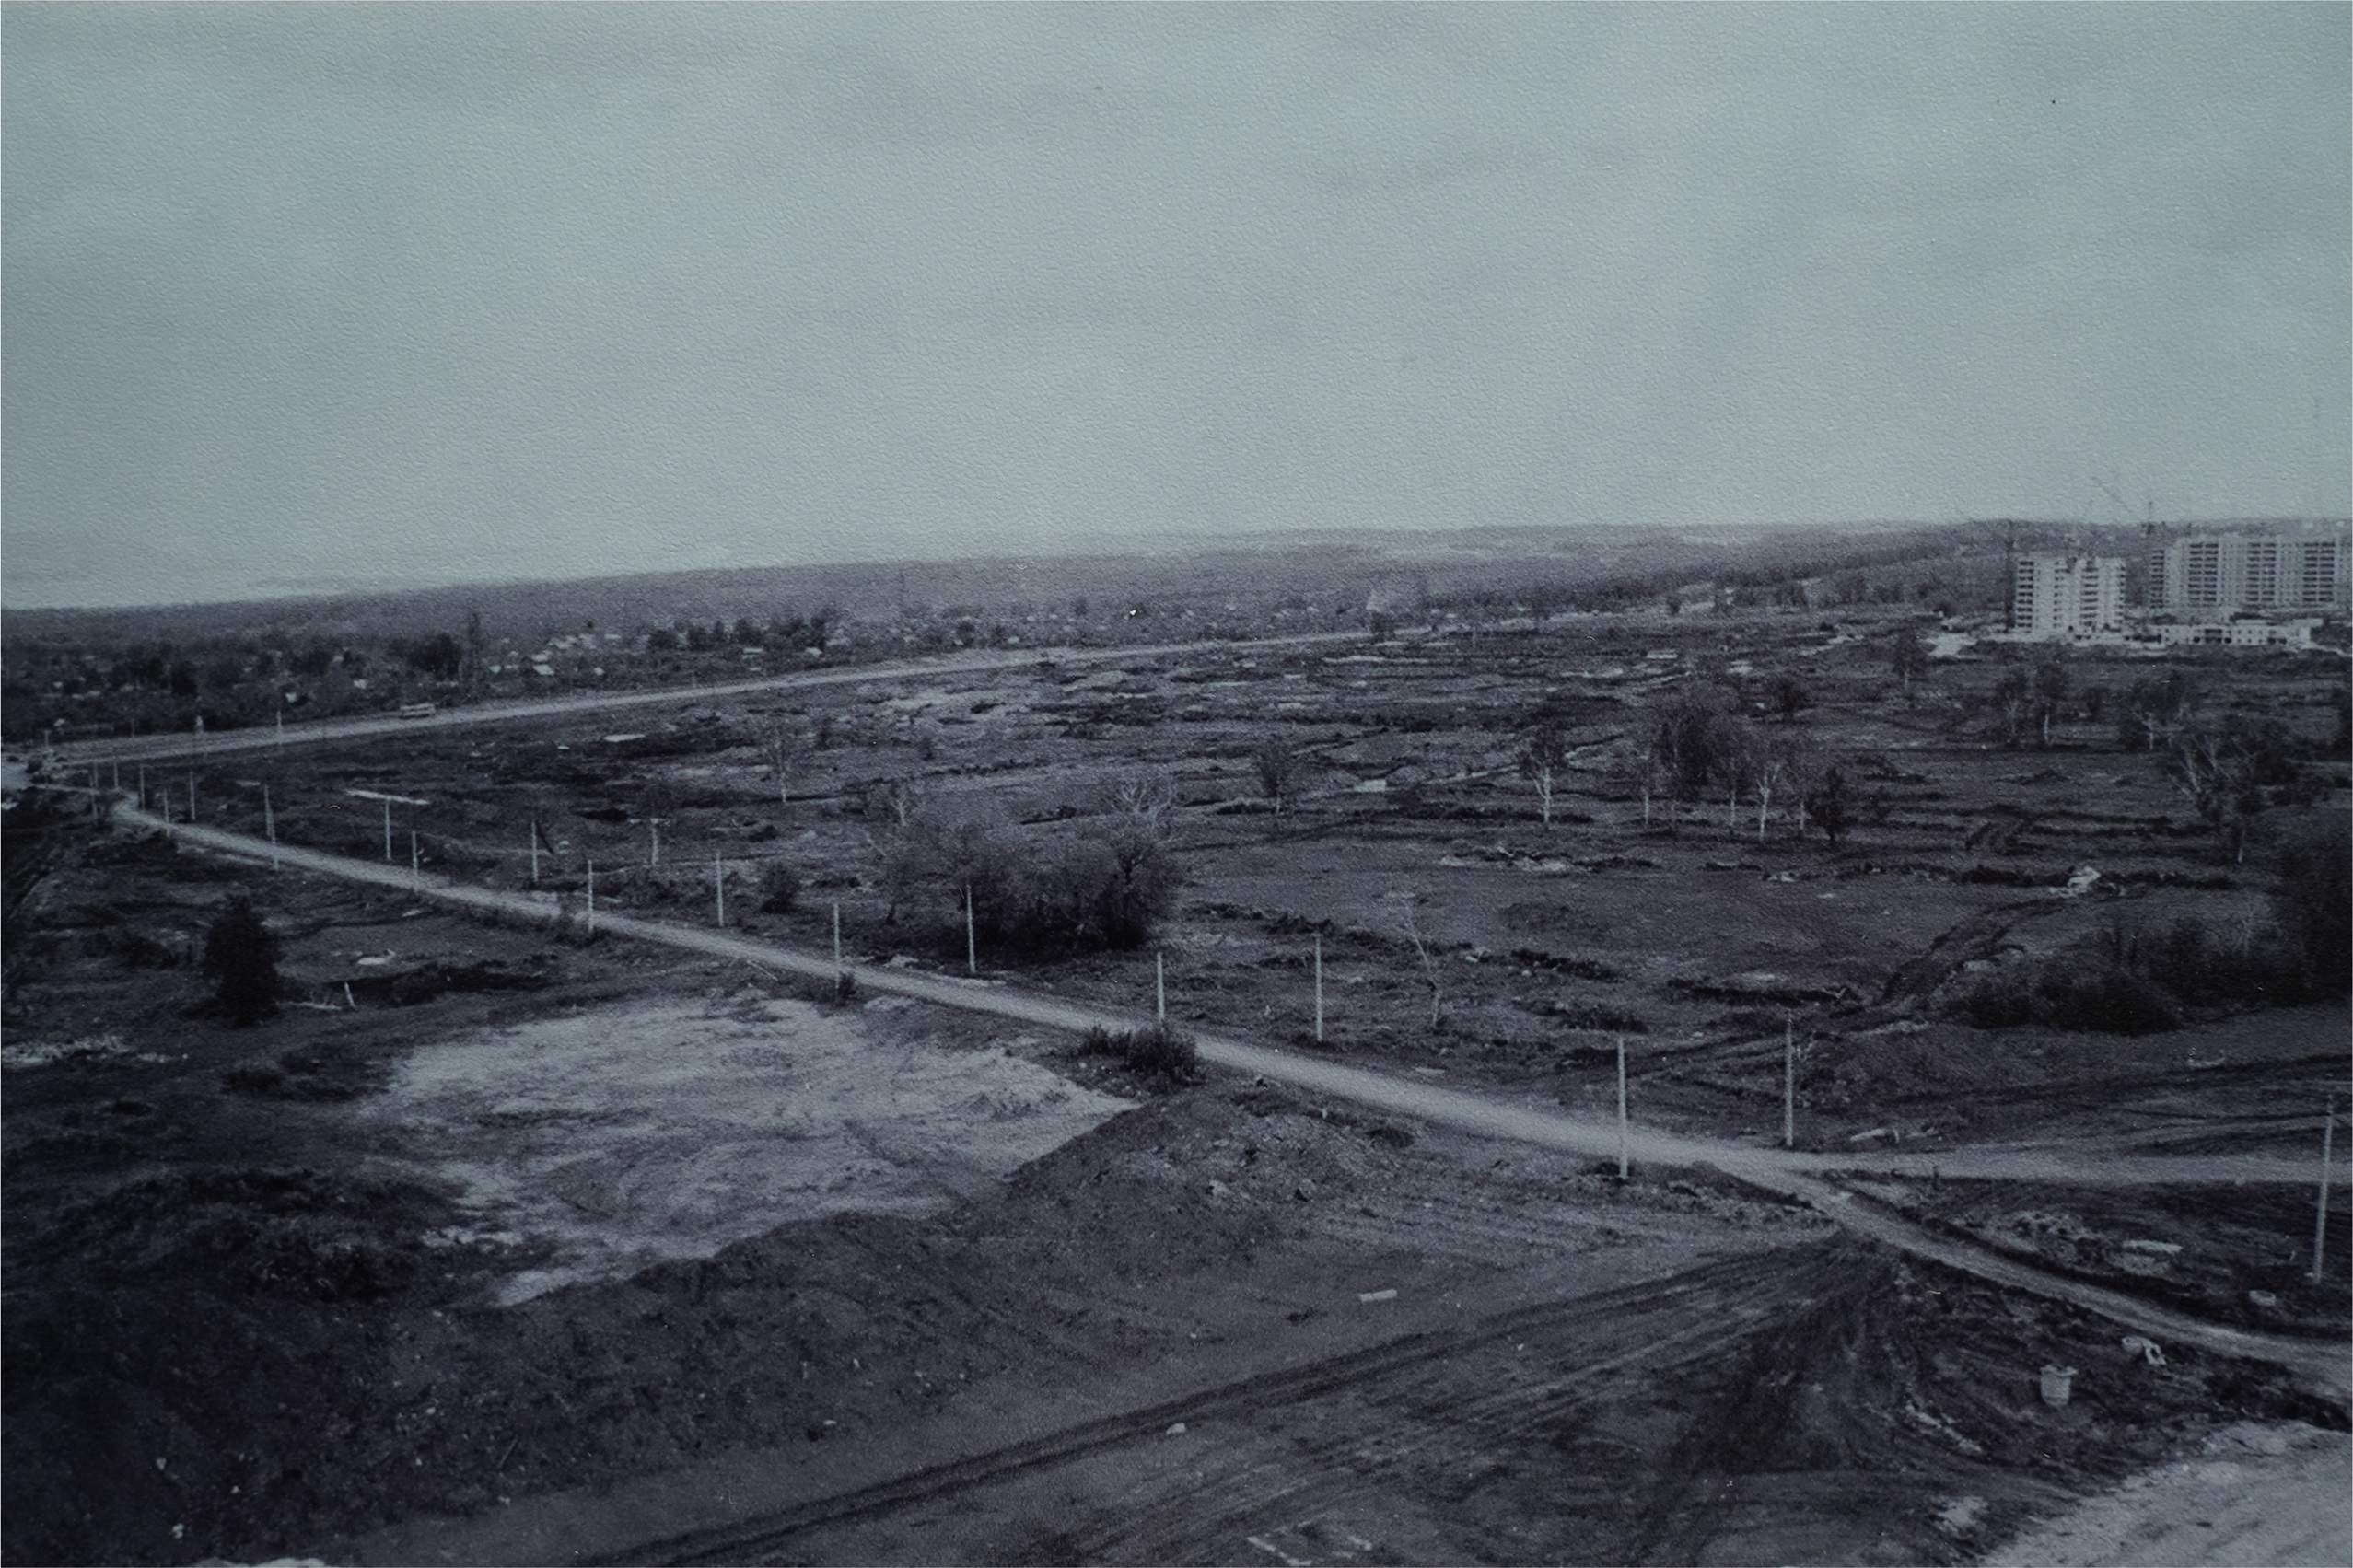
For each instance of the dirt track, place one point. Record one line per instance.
(329, 731)
(1192, 1510)
(1864, 1423)
(2324, 1366)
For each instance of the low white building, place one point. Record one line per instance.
(2238, 633)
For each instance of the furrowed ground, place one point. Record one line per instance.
(492, 1221)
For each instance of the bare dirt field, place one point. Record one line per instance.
(501, 1245)
(2255, 1493)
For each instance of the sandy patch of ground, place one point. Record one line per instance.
(668, 1130)
(2262, 1493)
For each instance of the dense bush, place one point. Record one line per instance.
(2069, 995)
(1600, 1017)
(2203, 967)
(779, 887)
(2314, 902)
(1280, 770)
(242, 957)
(1689, 742)
(2153, 709)
(2128, 979)
(1090, 883)
(1161, 1052)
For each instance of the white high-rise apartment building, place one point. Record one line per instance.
(2216, 573)
(2057, 595)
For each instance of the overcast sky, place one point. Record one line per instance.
(301, 295)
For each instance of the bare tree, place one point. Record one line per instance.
(2013, 699)
(1782, 765)
(780, 748)
(897, 801)
(1636, 767)
(904, 848)
(1484, 604)
(1145, 798)
(2050, 684)
(2232, 771)
(1543, 600)
(474, 642)
(1909, 656)
(1734, 757)
(1409, 920)
(1544, 753)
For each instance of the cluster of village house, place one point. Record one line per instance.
(2252, 589)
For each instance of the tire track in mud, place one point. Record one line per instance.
(1412, 1373)
(1808, 1179)
(1427, 1426)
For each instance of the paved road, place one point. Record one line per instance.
(323, 732)
(1801, 1177)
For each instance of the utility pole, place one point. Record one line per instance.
(2320, 1205)
(142, 789)
(416, 865)
(1159, 986)
(972, 946)
(270, 822)
(192, 796)
(387, 832)
(653, 856)
(592, 898)
(1623, 1164)
(837, 937)
(1319, 988)
(1789, 1084)
(719, 887)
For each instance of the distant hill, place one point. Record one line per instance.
(1324, 567)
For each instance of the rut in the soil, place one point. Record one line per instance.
(1419, 1376)
(1822, 1402)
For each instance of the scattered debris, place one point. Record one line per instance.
(1960, 1515)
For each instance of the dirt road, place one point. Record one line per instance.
(326, 732)
(1799, 1177)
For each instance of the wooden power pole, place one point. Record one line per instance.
(1623, 1164)
(1789, 1084)
(2320, 1205)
